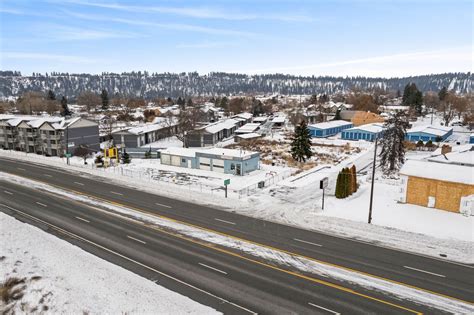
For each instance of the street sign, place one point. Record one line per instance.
(323, 183)
(70, 144)
(227, 181)
(68, 155)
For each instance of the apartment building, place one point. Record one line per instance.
(47, 135)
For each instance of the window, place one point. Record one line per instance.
(232, 166)
(217, 166)
(183, 160)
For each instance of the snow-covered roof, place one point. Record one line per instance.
(244, 115)
(38, 122)
(373, 128)
(438, 171)
(330, 124)
(249, 135)
(279, 119)
(464, 157)
(158, 123)
(472, 135)
(434, 130)
(248, 128)
(227, 152)
(221, 125)
(260, 119)
(190, 152)
(187, 152)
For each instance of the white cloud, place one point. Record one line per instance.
(403, 64)
(65, 33)
(208, 45)
(196, 12)
(169, 26)
(49, 57)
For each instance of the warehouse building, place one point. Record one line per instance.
(444, 182)
(329, 128)
(365, 132)
(228, 161)
(426, 133)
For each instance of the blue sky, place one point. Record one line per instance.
(339, 37)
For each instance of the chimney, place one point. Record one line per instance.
(446, 149)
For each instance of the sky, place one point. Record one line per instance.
(329, 37)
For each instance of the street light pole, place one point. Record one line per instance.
(67, 144)
(373, 178)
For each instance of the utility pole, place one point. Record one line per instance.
(373, 178)
(67, 144)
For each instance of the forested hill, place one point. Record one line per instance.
(151, 85)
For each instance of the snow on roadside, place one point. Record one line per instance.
(61, 278)
(301, 207)
(292, 260)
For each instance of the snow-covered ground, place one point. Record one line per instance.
(56, 277)
(165, 143)
(270, 254)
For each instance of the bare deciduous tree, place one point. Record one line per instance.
(89, 99)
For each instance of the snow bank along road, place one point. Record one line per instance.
(445, 278)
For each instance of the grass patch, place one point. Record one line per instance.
(12, 289)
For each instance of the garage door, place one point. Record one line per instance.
(218, 165)
(165, 159)
(205, 164)
(175, 160)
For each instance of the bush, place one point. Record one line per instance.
(148, 155)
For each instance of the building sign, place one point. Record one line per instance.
(226, 182)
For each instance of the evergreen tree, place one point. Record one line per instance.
(347, 182)
(51, 96)
(413, 97)
(105, 99)
(443, 93)
(65, 112)
(190, 103)
(339, 186)
(301, 143)
(392, 155)
(354, 178)
(224, 102)
(126, 158)
(337, 116)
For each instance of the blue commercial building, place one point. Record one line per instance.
(471, 138)
(363, 132)
(426, 133)
(226, 161)
(328, 128)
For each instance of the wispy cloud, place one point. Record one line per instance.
(208, 45)
(11, 11)
(195, 12)
(66, 33)
(49, 57)
(459, 55)
(169, 26)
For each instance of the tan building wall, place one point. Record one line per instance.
(447, 194)
(363, 118)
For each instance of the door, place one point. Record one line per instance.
(238, 169)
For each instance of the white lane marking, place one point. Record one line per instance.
(162, 205)
(129, 259)
(47, 175)
(302, 241)
(21, 169)
(323, 308)
(215, 269)
(228, 222)
(79, 183)
(79, 218)
(136, 239)
(420, 270)
(7, 192)
(116, 193)
(41, 204)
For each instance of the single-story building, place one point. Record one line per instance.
(245, 117)
(247, 128)
(260, 119)
(426, 133)
(227, 161)
(365, 132)
(278, 121)
(359, 118)
(437, 184)
(247, 136)
(471, 138)
(328, 128)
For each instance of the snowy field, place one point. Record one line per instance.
(56, 277)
